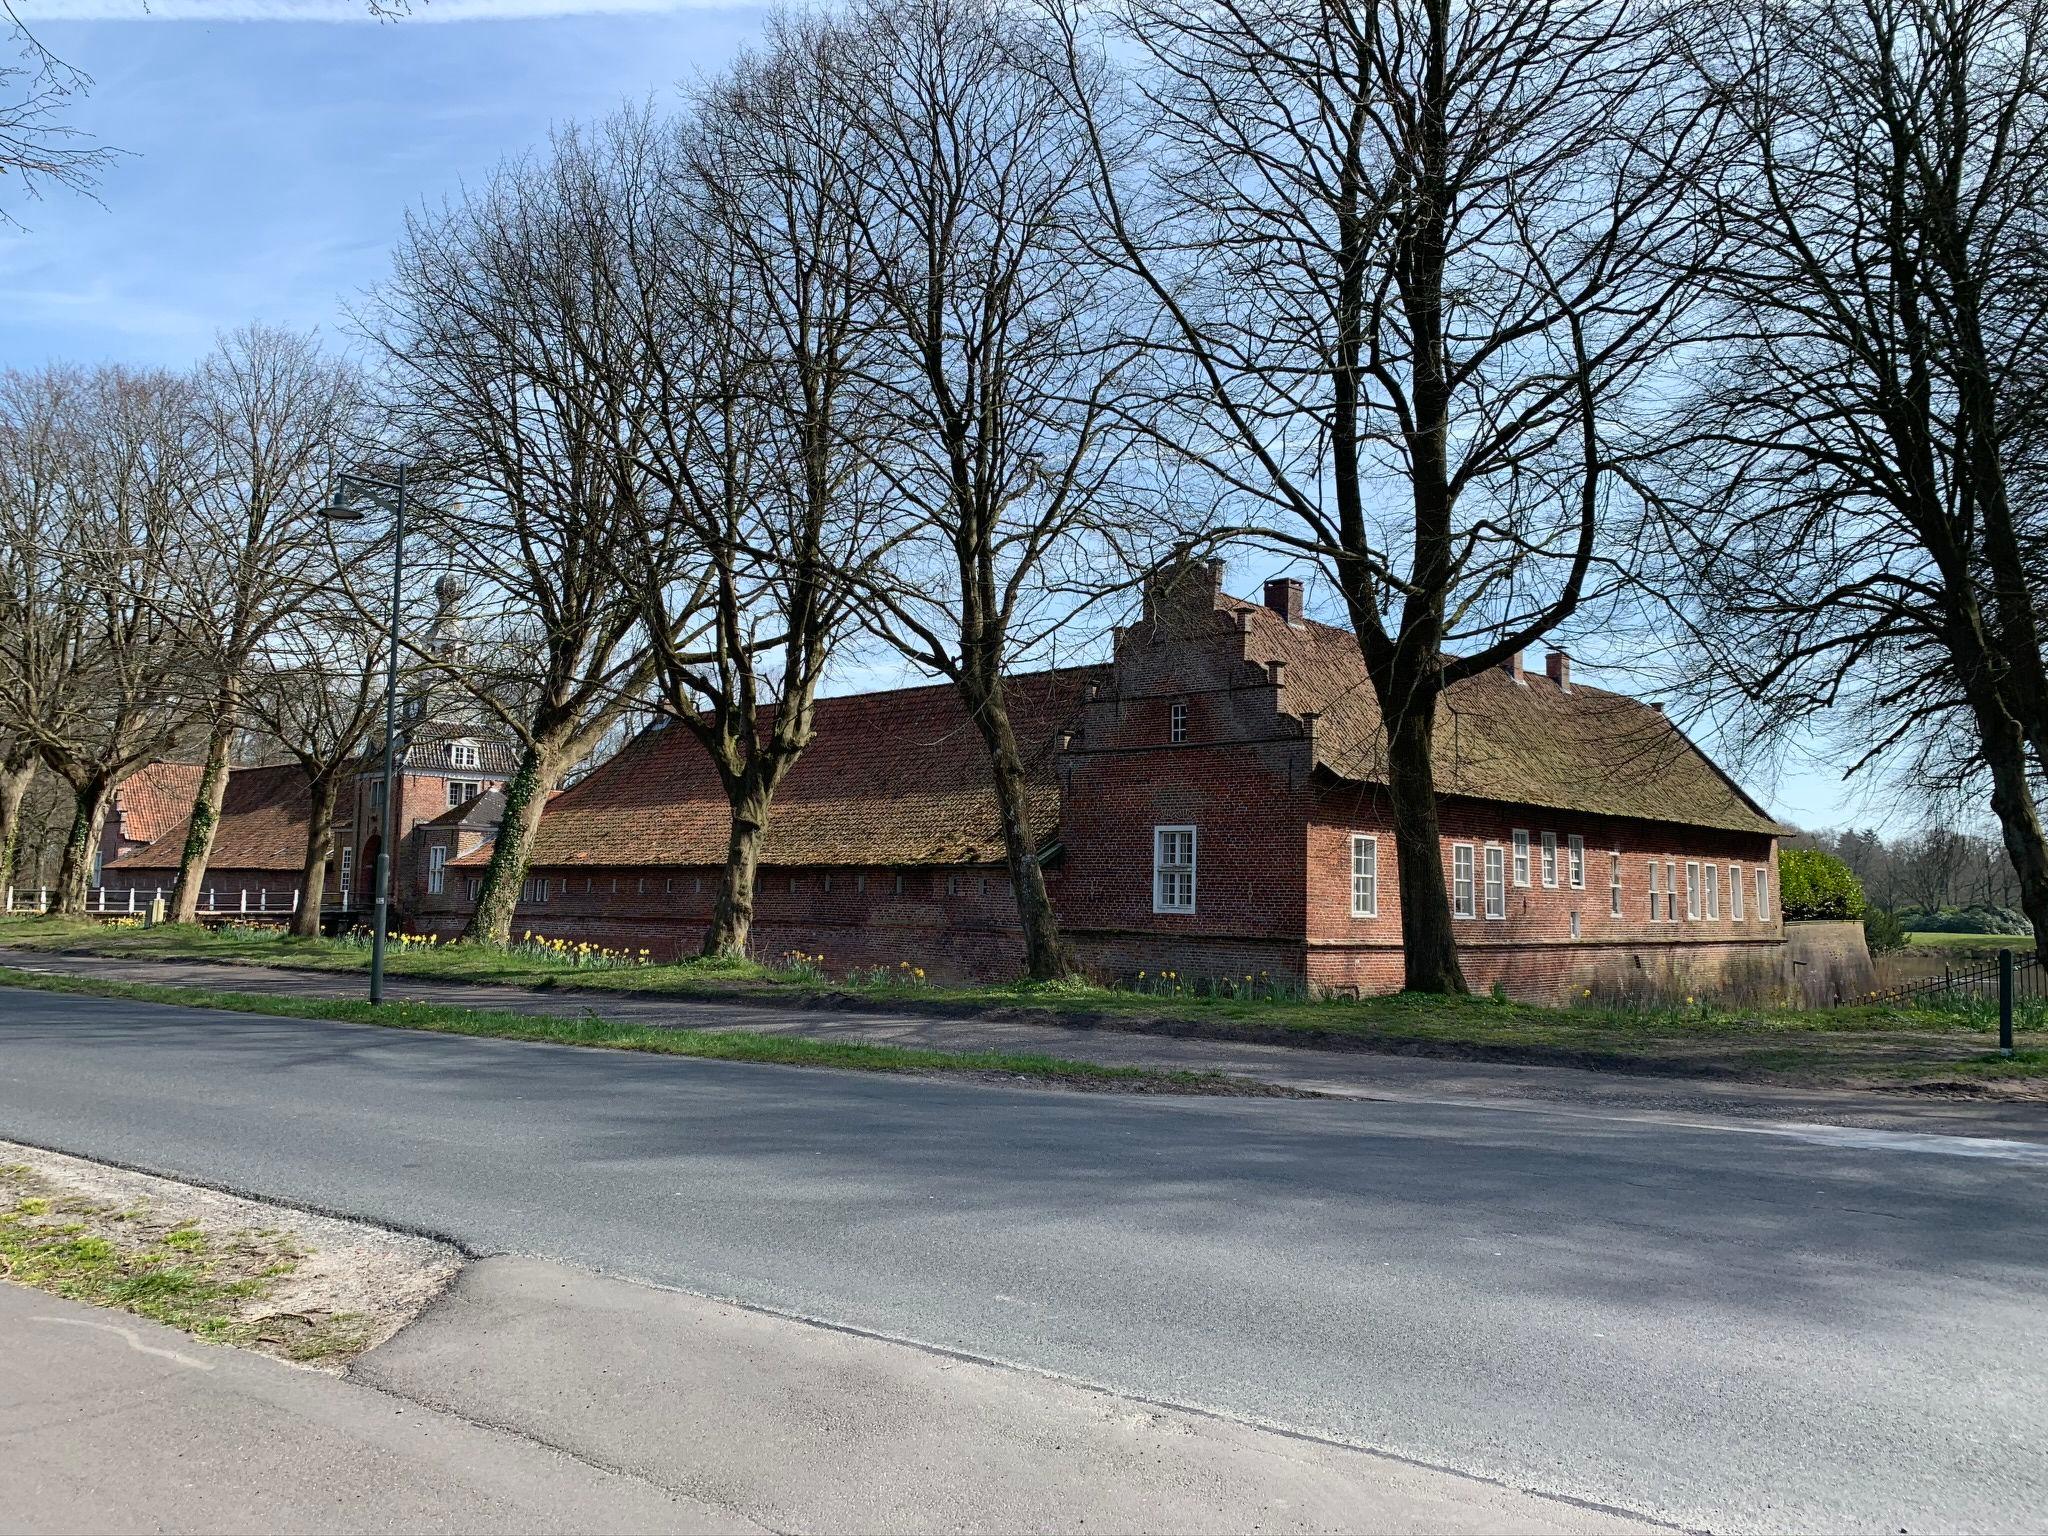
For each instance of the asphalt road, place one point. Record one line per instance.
(1719, 1328)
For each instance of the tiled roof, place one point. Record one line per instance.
(427, 744)
(484, 810)
(263, 818)
(895, 778)
(1529, 743)
(156, 798)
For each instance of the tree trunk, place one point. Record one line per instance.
(526, 797)
(313, 872)
(17, 771)
(1429, 952)
(75, 871)
(1047, 956)
(2005, 755)
(732, 914)
(204, 821)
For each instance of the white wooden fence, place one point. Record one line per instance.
(133, 902)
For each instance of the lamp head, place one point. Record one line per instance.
(338, 508)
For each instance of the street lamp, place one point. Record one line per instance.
(340, 509)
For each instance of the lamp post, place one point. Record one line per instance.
(339, 509)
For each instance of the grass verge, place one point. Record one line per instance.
(1878, 1045)
(215, 1284)
(718, 1045)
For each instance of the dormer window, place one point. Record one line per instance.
(463, 754)
(1177, 722)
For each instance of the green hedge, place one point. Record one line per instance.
(1812, 884)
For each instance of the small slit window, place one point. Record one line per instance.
(1734, 893)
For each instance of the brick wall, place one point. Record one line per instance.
(1189, 734)
(956, 924)
(1530, 947)
(224, 890)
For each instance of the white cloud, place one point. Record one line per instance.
(349, 10)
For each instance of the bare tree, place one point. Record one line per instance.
(1005, 373)
(516, 378)
(1856, 514)
(17, 768)
(747, 281)
(37, 147)
(273, 416)
(319, 693)
(1412, 259)
(97, 498)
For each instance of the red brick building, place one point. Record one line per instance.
(152, 800)
(259, 846)
(1210, 802)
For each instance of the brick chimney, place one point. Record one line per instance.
(1559, 666)
(1283, 596)
(1276, 673)
(1513, 667)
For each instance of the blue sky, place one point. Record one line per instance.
(276, 144)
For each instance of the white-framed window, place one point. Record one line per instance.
(475, 883)
(1692, 890)
(1365, 875)
(1575, 922)
(1550, 861)
(1575, 861)
(1521, 856)
(533, 891)
(1461, 880)
(463, 754)
(1713, 877)
(1671, 890)
(1763, 894)
(1614, 885)
(1656, 891)
(1177, 721)
(1496, 881)
(437, 869)
(1734, 893)
(1173, 869)
(462, 790)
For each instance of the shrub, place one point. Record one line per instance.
(1883, 931)
(1812, 884)
(1975, 918)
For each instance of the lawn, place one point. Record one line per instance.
(1989, 943)
(1886, 1045)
